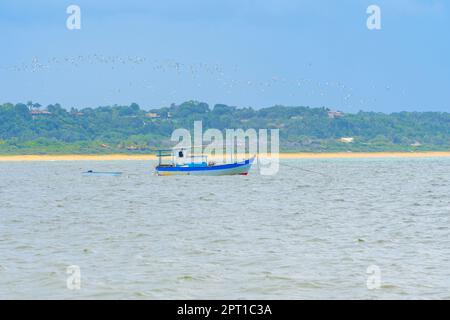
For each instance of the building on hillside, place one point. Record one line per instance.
(347, 140)
(152, 115)
(335, 114)
(36, 112)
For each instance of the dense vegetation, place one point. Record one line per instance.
(29, 128)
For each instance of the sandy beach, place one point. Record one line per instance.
(134, 157)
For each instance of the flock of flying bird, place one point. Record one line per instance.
(197, 72)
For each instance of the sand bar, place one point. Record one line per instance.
(135, 157)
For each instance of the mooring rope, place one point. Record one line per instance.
(331, 178)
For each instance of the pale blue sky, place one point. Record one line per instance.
(238, 52)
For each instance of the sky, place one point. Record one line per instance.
(245, 53)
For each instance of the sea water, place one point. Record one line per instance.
(326, 229)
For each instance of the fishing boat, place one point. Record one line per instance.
(181, 163)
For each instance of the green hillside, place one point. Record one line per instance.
(32, 129)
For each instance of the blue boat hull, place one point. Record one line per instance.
(238, 168)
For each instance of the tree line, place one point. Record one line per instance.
(31, 128)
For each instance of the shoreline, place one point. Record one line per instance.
(297, 155)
